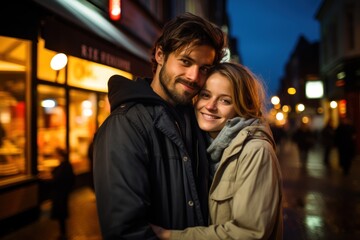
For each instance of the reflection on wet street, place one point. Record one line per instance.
(319, 201)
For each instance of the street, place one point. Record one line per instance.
(319, 203)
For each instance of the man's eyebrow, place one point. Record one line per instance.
(187, 57)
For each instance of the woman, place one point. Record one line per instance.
(245, 200)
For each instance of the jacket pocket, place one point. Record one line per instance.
(220, 202)
(223, 191)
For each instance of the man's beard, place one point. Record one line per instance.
(177, 98)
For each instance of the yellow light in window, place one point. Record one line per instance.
(87, 112)
(286, 108)
(291, 91)
(305, 119)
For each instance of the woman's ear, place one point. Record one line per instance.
(159, 56)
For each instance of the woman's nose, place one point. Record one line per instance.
(211, 105)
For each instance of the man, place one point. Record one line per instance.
(150, 163)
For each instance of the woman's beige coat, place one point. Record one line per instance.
(246, 195)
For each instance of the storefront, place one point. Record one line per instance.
(43, 107)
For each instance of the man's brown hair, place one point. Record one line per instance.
(189, 29)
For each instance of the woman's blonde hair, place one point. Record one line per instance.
(247, 90)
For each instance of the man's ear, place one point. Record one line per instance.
(159, 56)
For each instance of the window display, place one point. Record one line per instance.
(14, 76)
(51, 127)
(82, 110)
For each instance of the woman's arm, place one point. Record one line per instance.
(256, 202)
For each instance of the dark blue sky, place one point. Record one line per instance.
(267, 32)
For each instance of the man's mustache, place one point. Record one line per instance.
(187, 83)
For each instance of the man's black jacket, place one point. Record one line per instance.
(150, 164)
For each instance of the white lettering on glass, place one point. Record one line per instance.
(96, 55)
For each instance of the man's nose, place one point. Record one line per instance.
(193, 73)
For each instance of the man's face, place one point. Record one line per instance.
(183, 73)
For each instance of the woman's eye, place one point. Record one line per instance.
(225, 101)
(203, 95)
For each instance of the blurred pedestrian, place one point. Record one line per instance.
(304, 139)
(327, 140)
(279, 135)
(62, 181)
(345, 140)
(2, 137)
(2, 134)
(91, 164)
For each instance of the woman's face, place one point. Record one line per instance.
(215, 104)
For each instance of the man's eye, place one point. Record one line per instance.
(185, 62)
(204, 70)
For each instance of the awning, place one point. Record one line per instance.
(83, 14)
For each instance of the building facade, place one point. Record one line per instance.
(301, 68)
(45, 106)
(340, 58)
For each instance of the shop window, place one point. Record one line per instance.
(14, 76)
(45, 72)
(51, 127)
(82, 120)
(103, 108)
(90, 75)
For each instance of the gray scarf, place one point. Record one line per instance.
(226, 135)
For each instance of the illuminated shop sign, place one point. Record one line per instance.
(80, 45)
(97, 55)
(314, 89)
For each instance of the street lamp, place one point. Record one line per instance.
(333, 104)
(300, 107)
(58, 62)
(275, 100)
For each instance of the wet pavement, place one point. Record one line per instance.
(82, 223)
(319, 203)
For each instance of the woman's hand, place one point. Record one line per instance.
(160, 232)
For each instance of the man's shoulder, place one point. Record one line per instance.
(137, 112)
(126, 116)
(123, 108)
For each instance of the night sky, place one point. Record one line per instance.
(267, 32)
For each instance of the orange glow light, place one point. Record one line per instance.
(115, 9)
(342, 107)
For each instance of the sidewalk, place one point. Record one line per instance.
(82, 224)
(319, 203)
